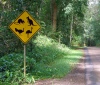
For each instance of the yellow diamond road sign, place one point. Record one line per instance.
(25, 27)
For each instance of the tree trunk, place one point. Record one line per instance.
(54, 22)
(71, 27)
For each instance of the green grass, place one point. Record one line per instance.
(65, 64)
(6, 83)
(61, 66)
(56, 60)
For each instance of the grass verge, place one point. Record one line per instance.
(60, 66)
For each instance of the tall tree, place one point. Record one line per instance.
(54, 22)
(71, 27)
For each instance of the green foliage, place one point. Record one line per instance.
(97, 43)
(53, 59)
(11, 68)
(59, 67)
(46, 49)
(64, 65)
(45, 52)
(78, 41)
(92, 24)
(49, 59)
(1, 83)
(68, 9)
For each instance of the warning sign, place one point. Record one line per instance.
(25, 27)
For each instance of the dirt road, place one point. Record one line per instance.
(92, 66)
(86, 72)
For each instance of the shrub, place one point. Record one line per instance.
(11, 69)
(47, 50)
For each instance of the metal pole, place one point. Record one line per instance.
(24, 60)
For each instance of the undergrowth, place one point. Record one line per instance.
(49, 59)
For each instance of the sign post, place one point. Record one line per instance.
(24, 60)
(24, 27)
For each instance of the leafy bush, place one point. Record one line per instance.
(46, 49)
(78, 41)
(11, 69)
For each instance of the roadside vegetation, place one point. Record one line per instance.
(48, 59)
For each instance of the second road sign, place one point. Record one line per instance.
(25, 27)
